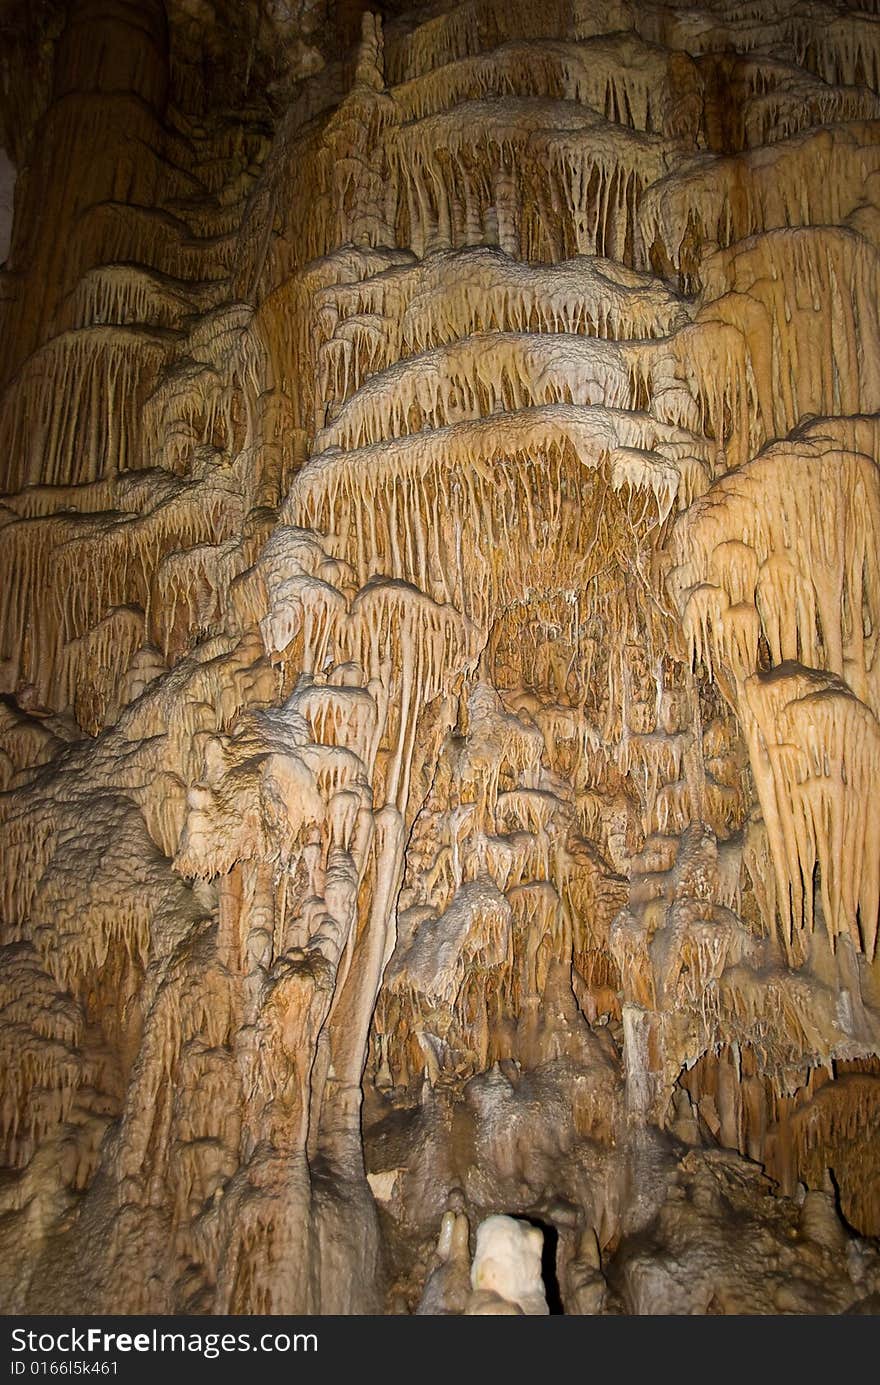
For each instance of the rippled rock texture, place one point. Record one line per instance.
(439, 623)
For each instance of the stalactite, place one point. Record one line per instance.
(625, 79)
(782, 286)
(570, 159)
(416, 523)
(837, 47)
(81, 387)
(94, 665)
(41, 1032)
(123, 295)
(812, 179)
(439, 713)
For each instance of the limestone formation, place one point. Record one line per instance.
(440, 657)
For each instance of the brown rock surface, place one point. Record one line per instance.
(439, 667)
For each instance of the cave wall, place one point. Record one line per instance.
(438, 651)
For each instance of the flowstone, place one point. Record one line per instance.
(439, 674)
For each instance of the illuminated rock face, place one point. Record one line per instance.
(439, 651)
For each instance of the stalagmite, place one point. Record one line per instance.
(507, 1268)
(439, 667)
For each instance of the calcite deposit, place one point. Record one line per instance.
(440, 657)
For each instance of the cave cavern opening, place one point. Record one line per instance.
(440, 657)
